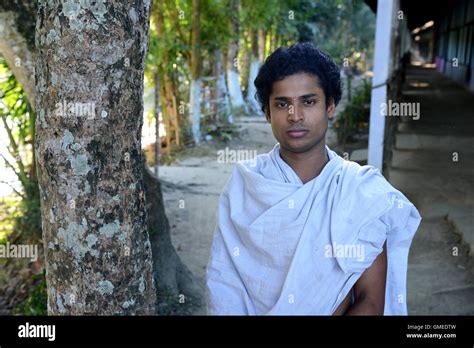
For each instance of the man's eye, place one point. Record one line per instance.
(310, 102)
(281, 105)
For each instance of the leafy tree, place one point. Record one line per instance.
(18, 120)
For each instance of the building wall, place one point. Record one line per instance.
(454, 54)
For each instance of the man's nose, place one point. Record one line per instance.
(295, 113)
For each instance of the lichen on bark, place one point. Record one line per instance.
(98, 257)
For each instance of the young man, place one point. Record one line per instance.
(301, 230)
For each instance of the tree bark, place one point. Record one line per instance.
(195, 92)
(272, 34)
(89, 91)
(24, 32)
(171, 112)
(254, 66)
(157, 123)
(262, 43)
(245, 59)
(167, 94)
(17, 27)
(222, 94)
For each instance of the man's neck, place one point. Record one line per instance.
(307, 165)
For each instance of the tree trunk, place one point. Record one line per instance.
(252, 102)
(262, 43)
(157, 123)
(25, 17)
(17, 42)
(195, 109)
(277, 40)
(167, 111)
(245, 60)
(89, 92)
(195, 93)
(272, 34)
(235, 92)
(224, 112)
(175, 118)
(167, 95)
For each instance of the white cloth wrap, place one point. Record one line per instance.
(276, 245)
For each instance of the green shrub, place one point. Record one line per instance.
(36, 303)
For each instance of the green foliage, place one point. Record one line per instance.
(170, 50)
(215, 29)
(36, 303)
(256, 15)
(28, 223)
(220, 131)
(19, 122)
(9, 214)
(14, 108)
(355, 117)
(343, 27)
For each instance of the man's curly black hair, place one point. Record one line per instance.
(300, 57)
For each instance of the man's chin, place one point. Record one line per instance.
(296, 146)
(299, 145)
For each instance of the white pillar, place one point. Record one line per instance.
(384, 34)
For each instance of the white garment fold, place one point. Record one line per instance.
(282, 247)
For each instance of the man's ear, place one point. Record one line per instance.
(267, 114)
(331, 108)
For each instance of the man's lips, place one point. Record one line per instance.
(297, 133)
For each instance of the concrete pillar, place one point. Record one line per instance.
(386, 25)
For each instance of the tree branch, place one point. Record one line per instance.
(21, 178)
(14, 146)
(18, 193)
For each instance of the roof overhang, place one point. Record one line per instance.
(420, 12)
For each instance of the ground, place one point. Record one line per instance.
(433, 164)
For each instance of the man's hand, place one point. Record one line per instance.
(369, 290)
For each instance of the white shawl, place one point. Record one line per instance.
(282, 247)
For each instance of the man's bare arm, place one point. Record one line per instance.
(369, 290)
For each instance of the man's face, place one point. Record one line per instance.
(297, 112)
